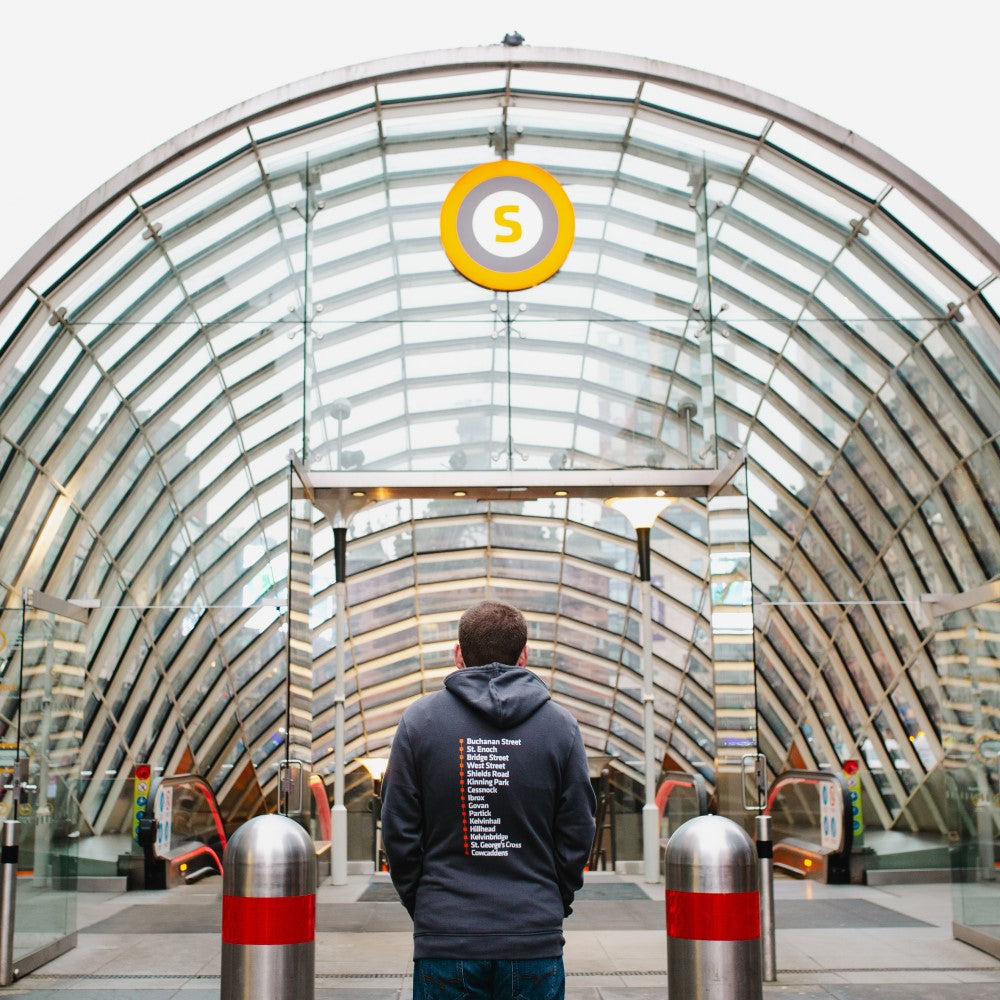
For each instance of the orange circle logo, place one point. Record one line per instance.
(507, 225)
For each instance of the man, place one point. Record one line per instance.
(487, 820)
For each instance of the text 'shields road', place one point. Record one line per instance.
(483, 775)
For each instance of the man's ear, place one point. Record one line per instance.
(522, 660)
(459, 662)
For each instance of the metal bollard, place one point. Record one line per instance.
(765, 851)
(269, 912)
(8, 899)
(713, 912)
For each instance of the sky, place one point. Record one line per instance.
(87, 88)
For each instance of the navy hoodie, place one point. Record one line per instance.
(487, 816)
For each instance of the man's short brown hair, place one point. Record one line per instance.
(491, 632)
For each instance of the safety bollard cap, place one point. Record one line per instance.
(269, 856)
(711, 854)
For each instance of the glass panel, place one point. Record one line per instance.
(39, 746)
(968, 658)
(732, 623)
(46, 903)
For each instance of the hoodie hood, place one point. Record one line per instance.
(505, 695)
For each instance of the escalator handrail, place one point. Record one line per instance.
(681, 779)
(194, 852)
(318, 787)
(198, 782)
(796, 777)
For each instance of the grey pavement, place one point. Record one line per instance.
(847, 942)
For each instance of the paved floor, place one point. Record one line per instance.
(846, 942)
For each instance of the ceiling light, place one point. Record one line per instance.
(641, 511)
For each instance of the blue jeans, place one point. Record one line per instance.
(485, 979)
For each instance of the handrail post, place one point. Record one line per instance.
(765, 855)
(765, 858)
(287, 769)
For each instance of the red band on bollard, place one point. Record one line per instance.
(713, 916)
(268, 919)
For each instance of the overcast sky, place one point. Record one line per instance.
(88, 87)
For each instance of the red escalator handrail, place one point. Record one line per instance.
(678, 779)
(322, 806)
(194, 852)
(198, 782)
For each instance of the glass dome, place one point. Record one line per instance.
(750, 286)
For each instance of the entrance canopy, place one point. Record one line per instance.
(747, 279)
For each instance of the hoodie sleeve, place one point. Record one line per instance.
(402, 819)
(574, 826)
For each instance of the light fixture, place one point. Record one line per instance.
(459, 493)
(358, 493)
(562, 493)
(375, 766)
(642, 512)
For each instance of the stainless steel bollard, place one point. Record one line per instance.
(8, 899)
(713, 912)
(765, 852)
(269, 912)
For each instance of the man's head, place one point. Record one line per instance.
(490, 632)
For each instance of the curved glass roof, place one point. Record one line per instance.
(748, 283)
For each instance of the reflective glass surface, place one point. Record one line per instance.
(274, 282)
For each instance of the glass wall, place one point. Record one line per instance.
(40, 697)
(45, 921)
(741, 283)
(968, 646)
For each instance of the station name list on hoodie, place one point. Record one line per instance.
(483, 774)
(488, 816)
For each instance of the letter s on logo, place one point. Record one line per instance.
(513, 225)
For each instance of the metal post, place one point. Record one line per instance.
(650, 813)
(377, 852)
(338, 848)
(765, 853)
(43, 814)
(713, 912)
(8, 898)
(269, 912)
(703, 308)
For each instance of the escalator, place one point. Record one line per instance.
(184, 835)
(184, 839)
